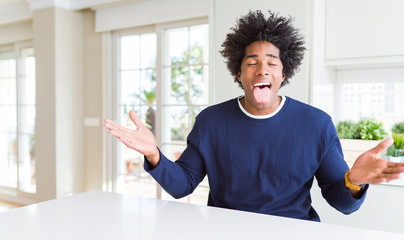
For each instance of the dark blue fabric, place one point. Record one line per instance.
(261, 165)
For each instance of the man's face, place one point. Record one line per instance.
(261, 77)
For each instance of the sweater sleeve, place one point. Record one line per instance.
(330, 175)
(181, 177)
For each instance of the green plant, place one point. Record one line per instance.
(397, 149)
(370, 129)
(398, 128)
(347, 129)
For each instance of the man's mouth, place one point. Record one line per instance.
(263, 85)
(261, 92)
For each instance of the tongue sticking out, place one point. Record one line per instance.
(261, 94)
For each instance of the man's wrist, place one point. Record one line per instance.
(351, 185)
(154, 159)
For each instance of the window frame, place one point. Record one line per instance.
(112, 94)
(17, 48)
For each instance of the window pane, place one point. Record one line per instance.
(8, 159)
(130, 52)
(199, 91)
(27, 83)
(178, 79)
(130, 87)
(172, 151)
(177, 46)
(137, 93)
(176, 124)
(26, 163)
(377, 100)
(7, 65)
(148, 50)
(9, 123)
(199, 44)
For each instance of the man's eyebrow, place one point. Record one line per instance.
(255, 55)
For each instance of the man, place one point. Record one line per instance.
(262, 151)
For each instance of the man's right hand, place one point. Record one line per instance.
(141, 139)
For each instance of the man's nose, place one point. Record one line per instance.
(262, 69)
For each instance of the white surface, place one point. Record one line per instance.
(102, 215)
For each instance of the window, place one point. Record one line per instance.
(373, 93)
(17, 102)
(162, 73)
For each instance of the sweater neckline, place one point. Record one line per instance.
(261, 116)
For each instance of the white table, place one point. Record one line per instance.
(102, 215)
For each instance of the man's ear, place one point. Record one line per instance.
(238, 77)
(283, 77)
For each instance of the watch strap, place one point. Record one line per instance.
(349, 184)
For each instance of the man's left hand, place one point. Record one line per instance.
(370, 169)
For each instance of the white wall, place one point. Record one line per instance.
(59, 92)
(382, 209)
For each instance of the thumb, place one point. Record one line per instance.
(382, 145)
(135, 119)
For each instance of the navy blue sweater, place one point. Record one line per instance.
(261, 165)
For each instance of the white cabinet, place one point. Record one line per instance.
(364, 33)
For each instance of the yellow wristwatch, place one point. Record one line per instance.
(351, 185)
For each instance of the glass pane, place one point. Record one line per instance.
(27, 119)
(177, 46)
(8, 159)
(124, 118)
(148, 50)
(173, 152)
(130, 87)
(378, 100)
(199, 44)
(178, 76)
(137, 183)
(130, 52)
(148, 77)
(176, 124)
(199, 90)
(27, 82)
(7, 65)
(26, 163)
(8, 94)
(9, 123)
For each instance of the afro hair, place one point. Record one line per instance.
(276, 30)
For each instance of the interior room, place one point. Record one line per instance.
(66, 65)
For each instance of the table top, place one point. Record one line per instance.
(104, 215)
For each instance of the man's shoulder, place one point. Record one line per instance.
(307, 110)
(219, 108)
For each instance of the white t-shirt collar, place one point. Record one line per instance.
(262, 116)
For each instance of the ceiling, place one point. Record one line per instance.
(17, 10)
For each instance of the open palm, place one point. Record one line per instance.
(370, 169)
(141, 139)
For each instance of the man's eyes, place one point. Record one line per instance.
(252, 64)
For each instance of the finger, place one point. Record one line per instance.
(393, 164)
(391, 177)
(136, 120)
(394, 170)
(382, 146)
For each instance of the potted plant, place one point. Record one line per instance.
(396, 151)
(358, 137)
(398, 128)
